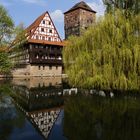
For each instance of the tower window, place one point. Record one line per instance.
(42, 29)
(91, 21)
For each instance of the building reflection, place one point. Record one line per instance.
(35, 82)
(41, 100)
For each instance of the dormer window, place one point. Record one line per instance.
(42, 29)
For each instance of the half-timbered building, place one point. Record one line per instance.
(42, 54)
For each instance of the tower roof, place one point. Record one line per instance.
(80, 5)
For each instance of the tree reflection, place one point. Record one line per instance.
(10, 117)
(101, 118)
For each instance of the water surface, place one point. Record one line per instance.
(48, 109)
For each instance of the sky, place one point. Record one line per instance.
(26, 11)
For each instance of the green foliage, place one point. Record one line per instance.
(6, 26)
(19, 38)
(5, 64)
(10, 36)
(126, 5)
(107, 55)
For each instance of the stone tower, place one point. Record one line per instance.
(79, 17)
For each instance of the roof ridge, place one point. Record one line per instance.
(82, 5)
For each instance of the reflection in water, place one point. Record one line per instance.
(10, 117)
(94, 117)
(41, 100)
(44, 120)
(34, 82)
(34, 109)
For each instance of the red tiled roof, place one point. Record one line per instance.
(46, 42)
(31, 29)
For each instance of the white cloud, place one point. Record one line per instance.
(57, 16)
(98, 7)
(10, 2)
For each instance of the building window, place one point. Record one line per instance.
(49, 39)
(49, 23)
(43, 38)
(43, 57)
(38, 67)
(50, 67)
(30, 46)
(91, 21)
(41, 47)
(43, 21)
(36, 36)
(50, 31)
(36, 56)
(59, 58)
(42, 29)
(38, 84)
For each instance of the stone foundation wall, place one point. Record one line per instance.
(35, 70)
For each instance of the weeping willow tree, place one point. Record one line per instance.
(107, 56)
(126, 5)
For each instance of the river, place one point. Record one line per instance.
(49, 109)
